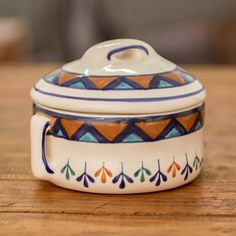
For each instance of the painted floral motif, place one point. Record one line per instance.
(123, 177)
(104, 172)
(187, 169)
(85, 177)
(197, 162)
(142, 174)
(201, 163)
(142, 171)
(173, 168)
(67, 170)
(158, 176)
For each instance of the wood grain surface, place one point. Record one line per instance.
(28, 206)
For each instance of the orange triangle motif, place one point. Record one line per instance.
(175, 75)
(144, 81)
(188, 121)
(51, 118)
(52, 121)
(109, 130)
(101, 82)
(71, 126)
(153, 128)
(67, 77)
(34, 110)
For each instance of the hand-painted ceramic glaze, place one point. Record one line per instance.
(122, 119)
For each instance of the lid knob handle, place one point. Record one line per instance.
(121, 49)
(120, 57)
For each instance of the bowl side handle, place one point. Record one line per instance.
(39, 163)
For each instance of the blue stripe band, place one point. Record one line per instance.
(121, 99)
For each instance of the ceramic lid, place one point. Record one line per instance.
(122, 76)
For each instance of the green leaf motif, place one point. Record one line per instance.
(143, 171)
(148, 172)
(63, 169)
(67, 174)
(69, 171)
(196, 162)
(142, 179)
(137, 173)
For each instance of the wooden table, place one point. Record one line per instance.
(28, 206)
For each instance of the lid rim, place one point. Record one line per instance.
(123, 76)
(122, 108)
(121, 99)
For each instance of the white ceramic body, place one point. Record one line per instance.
(183, 150)
(146, 131)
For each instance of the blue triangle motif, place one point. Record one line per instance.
(132, 138)
(59, 133)
(79, 85)
(123, 85)
(164, 84)
(50, 78)
(198, 126)
(173, 133)
(88, 137)
(188, 78)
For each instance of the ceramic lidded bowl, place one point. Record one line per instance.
(121, 119)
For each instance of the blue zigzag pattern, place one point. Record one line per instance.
(158, 81)
(131, 133)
